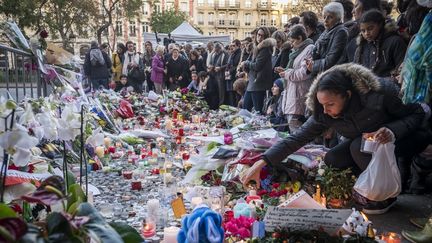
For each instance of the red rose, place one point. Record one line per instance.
(43, 34)
(273, 194)
(276, 185)
(283, 192)
(261, 192)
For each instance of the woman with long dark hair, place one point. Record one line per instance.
(259, 70)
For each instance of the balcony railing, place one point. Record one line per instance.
(266, 6)
(227, 5)
(262, 23)
(200, 22)
(227, 23)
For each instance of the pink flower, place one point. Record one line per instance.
(244, 233)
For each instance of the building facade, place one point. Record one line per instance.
(238, 18)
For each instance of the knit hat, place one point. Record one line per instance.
(280, 84)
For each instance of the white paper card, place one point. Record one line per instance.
(328, 220)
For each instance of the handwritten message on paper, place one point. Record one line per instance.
(306, 219)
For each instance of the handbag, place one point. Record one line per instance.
(136, 73)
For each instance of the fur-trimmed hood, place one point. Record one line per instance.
(363, 81)
(286, 45)
(269, 42)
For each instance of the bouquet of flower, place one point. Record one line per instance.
(239, 227)
(14, 34)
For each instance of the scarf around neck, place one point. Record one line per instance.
(296, 51)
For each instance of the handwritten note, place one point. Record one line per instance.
(306, 219)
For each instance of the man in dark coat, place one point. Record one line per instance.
(96, 67)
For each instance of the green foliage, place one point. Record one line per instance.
(166, 21)
(337, 183)
(6, 211)
(127, 233)
(24, 12)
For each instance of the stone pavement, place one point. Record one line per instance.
(397, 218)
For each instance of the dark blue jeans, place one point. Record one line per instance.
(257, 98)
(97, 83)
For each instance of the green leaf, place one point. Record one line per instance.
(127, 233)
(6, 212)
(97, 225)
(76, 196)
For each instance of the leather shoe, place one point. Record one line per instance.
(419, 222)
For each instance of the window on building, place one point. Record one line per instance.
(263, 2)
(132, 28)
(146, 8)
(210, 18)
(284, 18)
(232, 34)
(211, 3)
(184, 7)
(221, 3)
(221, 33)
(169, 5)
(247, 34)
(295, 2)
(232, 3)
(263, 20)
(273, 20)
(145, 27)
(248, 19)
(200, 2)
(232, 19)
(210, 33)
(248, 4)
(221, 18)
(158, 8)
(201, 18)
(119, 28)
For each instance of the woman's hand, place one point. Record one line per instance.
(309, 64)
(252, 174)
(383, 135)
(282, 74)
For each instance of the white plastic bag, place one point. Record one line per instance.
(381, 179)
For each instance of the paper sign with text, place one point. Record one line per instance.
(329, 220)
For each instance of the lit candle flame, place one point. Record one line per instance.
(364, 217)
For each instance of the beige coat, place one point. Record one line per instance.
(297, 83)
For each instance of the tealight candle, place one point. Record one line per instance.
(391, 238)
(149, 229)
(170, 234)
(136, 185)
(127, 175)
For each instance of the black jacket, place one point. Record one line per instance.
(370, 108)
(260, 67)
(329, 49)
(177, 68)
(99, 71)
(282, 59)
(199, 64)
(383, 55)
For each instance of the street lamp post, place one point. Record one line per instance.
(72, 38)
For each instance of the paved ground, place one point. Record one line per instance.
(397, 219)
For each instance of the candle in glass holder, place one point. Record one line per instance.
(153, 205)
(168, 177)
(127, 175)
(136, 185)
(170, 234)
(185, 156)
(148, 229)
(181, 132)
(391, 237)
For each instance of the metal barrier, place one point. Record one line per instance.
(19, 74)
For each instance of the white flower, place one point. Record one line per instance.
(97, 138)
(321, 172)
(69, 124)
(18, 143)
(49, 124)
